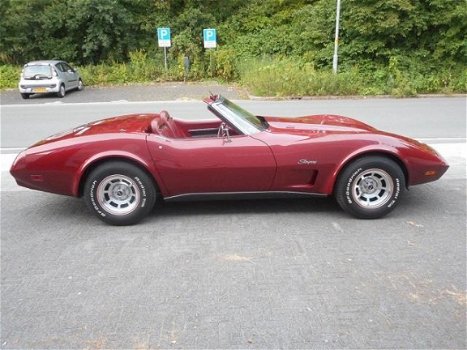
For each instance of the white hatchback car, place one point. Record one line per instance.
(39, 77)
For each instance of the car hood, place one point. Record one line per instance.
(319, 122)
(132, 123)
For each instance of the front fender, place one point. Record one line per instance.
(374, 149)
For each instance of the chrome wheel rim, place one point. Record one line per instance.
(372, 189)
(62, 90)
(118, 195)
(80, 85)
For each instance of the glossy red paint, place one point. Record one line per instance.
(331, 142)
(303, 154)
(62, 159)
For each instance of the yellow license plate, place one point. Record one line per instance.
(39, 90)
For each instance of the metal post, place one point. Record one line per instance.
(210, 63)
(336, 39)
(165, 57)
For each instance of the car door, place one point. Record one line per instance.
(71, 76)
(62, 74)
(212, 164)
(304, 160)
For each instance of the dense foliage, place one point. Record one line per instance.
(274, 46)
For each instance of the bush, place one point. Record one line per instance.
(292, 76)
(226, 66)
(288, 77)
(9, 76)
(139, 69)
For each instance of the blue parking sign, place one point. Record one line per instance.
(163, 37)
(209, 38)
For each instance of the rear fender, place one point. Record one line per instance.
(102, 157)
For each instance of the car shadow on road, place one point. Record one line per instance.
(75, 209)
(416, 203)
(236, 207)
(51, 96)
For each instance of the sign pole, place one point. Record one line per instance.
(163, 38)
(336, 39)
(210, 63)
(210, 42)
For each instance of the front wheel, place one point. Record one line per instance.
(119, 193)
(25, 96)
(370, 187)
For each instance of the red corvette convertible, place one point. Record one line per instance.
(122, 165)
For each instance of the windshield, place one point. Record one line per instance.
(243, 120)
(39, 71)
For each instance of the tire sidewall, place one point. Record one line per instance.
(140, 179)
(61, 91)
(348, 177)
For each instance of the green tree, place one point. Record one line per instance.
(102, 29)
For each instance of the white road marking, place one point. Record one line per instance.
(53, 103)
(442, 140)
(450, 149)
(454, 152)
(6, 160)
(61, 104)
(11, 150)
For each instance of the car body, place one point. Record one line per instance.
(121, 165)
(48, 76)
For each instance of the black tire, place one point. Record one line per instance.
(80, 85)
(370, 187)
(25, 96)
(61, 91)
(119, 193)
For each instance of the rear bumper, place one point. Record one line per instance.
(39, 89)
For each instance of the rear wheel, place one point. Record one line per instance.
(370, 187)
(119, 193)
(80, 85)
(61, 91)
(25, 96)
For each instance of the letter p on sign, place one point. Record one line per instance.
(163, 37)
(209, 38)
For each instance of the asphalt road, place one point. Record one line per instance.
(25, 124)
(150, 92)
(241, 274)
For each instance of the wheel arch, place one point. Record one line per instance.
(369, 153)
(79, 187)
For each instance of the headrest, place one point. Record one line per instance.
(155, 125)
(165, 115)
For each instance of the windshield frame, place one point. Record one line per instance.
(239, 118)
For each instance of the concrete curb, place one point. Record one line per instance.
(346, 97)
